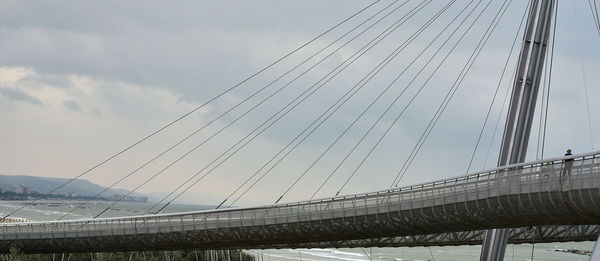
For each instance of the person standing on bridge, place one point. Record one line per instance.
(568, 163)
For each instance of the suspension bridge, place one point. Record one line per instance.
(547, 200)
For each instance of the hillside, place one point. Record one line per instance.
(43, 185)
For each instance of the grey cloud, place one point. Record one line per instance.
(96, 112)
(196, 49)
(18, 95)
(72, 105)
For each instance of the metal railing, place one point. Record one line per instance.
(533, 177)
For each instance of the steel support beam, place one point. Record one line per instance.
(518, 235)
(522, 107)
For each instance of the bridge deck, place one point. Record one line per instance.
(542, 193)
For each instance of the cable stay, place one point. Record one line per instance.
(421, 87)
(396, 52)
(351, 59)
(595, 16)
(500, 114)
(393, 55)
(247, 99)
(549, 80)
(391, 84)
(487, 116)
(546, 92)
(195, 109)
(504, 103)
(337, 70)
(293, 80)
(543, 106)
(585, 87)
(239, 117)
(451, 92)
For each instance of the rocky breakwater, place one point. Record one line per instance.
(575, 251)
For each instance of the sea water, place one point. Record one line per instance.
(51, 210)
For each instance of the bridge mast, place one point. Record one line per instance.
(522, 107)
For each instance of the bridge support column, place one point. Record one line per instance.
(596, 253)
(522, 107)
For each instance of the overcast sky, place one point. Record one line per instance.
(80, 80)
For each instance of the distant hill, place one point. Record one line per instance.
(43, 185)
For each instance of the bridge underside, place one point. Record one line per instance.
(518, 235)
(178, 241)
(447, 224)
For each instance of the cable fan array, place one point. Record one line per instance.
(407, 45)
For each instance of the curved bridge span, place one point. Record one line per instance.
(543, 201)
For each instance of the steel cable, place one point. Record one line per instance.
(413, 61)
(545, 98)
(594, 11)
(487, 116)
(345, 64)
(448, 97)
(597, 15)
(504, 102)
(418, 91)
(242, 102)
(542, 107)
(550, 79)
(420, 88)
(239, 117)
(389, 58)
(242, 115)
(441, 108)
(583, 75)
(195, 109)
(344, 98)
(379, 96)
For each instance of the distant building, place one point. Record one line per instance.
(122, 197)
(141, 199)
(19, 189)
(69, 194)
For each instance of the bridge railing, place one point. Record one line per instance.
(548, 175)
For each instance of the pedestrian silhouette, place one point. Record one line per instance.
(568, 163)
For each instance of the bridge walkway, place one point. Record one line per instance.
(540, 193)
